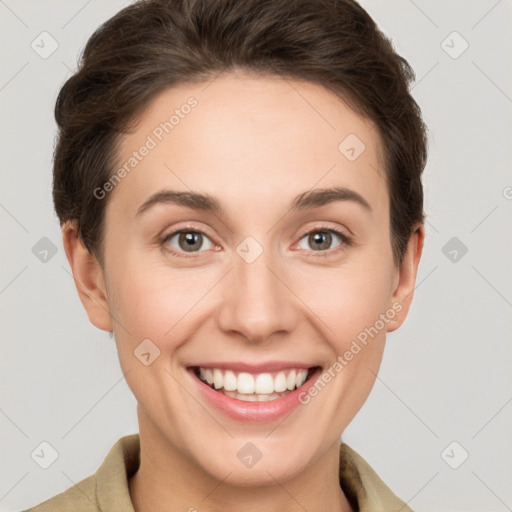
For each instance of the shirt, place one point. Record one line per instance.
(108, 490)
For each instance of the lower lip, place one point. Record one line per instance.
(255, 412)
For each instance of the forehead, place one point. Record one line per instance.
(246, 138)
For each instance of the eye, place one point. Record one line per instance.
(321, 239)
(187, 241)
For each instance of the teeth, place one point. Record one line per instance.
(290, 381)
(260, 387)
(245, 383)
(218, 379)
(299, 379)
(207, 375)
(253, 397)
(230, 381)
(264, 384)
(280, 382)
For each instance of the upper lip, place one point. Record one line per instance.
(269, 366)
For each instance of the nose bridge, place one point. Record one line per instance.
(256, 302)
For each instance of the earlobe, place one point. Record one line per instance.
(404, 290)
(88, 277)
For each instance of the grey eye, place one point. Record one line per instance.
(319, 240)
(189, 241)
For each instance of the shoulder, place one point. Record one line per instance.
(107, 489)
(363, 485)
(79, 497)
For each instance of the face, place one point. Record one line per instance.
(262, 282)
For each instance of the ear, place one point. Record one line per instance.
(88, 277)
(406, 278)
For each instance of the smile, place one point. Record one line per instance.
(254, 387)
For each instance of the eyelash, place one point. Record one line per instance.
(345, 239)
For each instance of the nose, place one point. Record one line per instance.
(257, 300)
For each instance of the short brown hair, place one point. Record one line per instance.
(154, 44)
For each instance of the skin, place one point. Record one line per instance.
(254, 143)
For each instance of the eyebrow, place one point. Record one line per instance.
(205, 202)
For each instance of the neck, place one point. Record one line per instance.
(167, 476)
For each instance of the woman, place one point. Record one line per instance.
(239, 189)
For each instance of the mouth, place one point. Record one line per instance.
(254, 387)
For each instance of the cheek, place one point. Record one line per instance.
(153, 309)
(347, 299)
(156, 302)
(347, 303)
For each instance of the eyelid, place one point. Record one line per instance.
(187, 227)
(325, 227)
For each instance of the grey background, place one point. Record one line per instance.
(446, 373)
